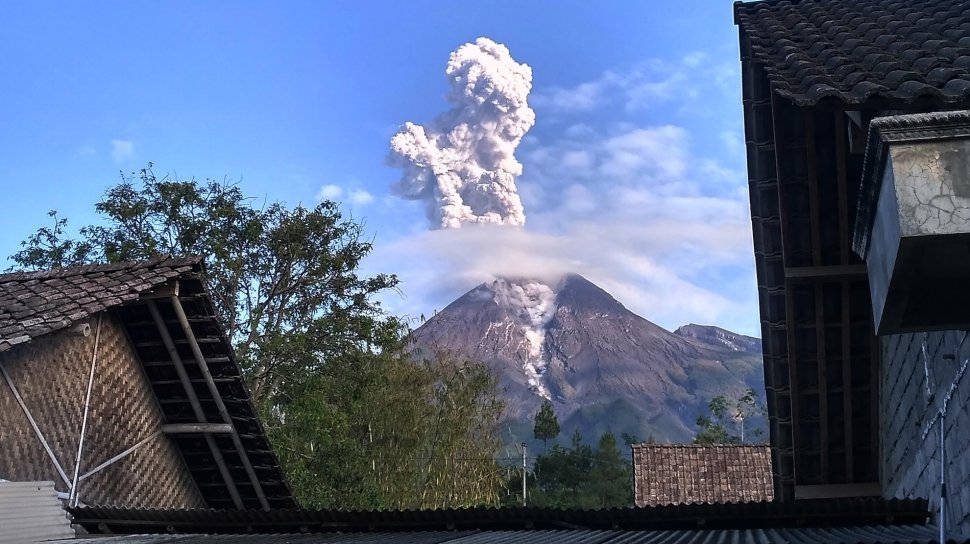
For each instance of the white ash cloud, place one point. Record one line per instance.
(463, 163)
(532, 305)
(633, 209)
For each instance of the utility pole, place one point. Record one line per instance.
(524, 467)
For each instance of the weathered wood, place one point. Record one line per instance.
(183, 428)
(217, 396)
(194, 401)
(841, 182)
(162, 291)
(833, 272)
(847, 384)
(813, 204)
(778, 129)
(823, 391)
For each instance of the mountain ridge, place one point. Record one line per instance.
(574, 344)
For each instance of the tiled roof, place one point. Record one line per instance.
(857, 50)
(33, 304)
(690, 474)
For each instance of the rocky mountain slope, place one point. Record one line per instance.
(602, 366)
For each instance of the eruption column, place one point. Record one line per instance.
(463, 163)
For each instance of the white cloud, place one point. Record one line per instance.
(354, 197)
(664, 230)
(631, 263)
(694, 59)
(582, 97)
(330, 192)
(360, 197)
(122, 150)
(639, 208)
(653, 153)
(644, 85)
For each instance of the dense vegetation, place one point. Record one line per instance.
(577, 476)
(356, 423)
(357, 420)
(725, 422)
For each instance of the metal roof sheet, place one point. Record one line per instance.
(910, 534)
(802, 513)
(31, 512)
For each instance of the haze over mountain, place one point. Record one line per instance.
(602, 366)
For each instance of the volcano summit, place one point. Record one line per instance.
(602, 366)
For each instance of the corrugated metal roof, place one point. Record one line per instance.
(802, 513)
(910, 534)
(31, 512)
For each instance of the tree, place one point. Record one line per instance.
(716, 426)
(284, 281)
(580, 477)
(546, 424)
(394, 434)
(610, 483)
(712, 426)
(355, 421)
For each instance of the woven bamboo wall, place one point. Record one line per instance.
(51, 374)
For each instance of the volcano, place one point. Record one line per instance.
(603, 367)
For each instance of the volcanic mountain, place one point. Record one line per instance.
(602, 366)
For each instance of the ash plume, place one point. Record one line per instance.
(463, 163)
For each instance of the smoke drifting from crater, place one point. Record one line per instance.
(463, 163)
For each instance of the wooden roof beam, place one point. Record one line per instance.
(194, 400)
(220, 405)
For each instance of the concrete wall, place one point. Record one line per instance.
(51, 374)
(913, 389)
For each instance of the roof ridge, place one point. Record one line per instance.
(165, 259)
(646, 445)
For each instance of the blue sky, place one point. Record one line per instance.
(633, 173)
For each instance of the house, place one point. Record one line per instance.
(118, 384)
(853, 413)
(699, 474)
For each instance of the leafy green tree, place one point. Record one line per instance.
(284, 281)
(713, 426)
(49, 247)
(394, 434)
(580, 477)
(610, 483)
(630, 439)
(356, 423)
(724, 417)
(546, 424)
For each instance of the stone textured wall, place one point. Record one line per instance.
(918, 371)
(51, 374)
